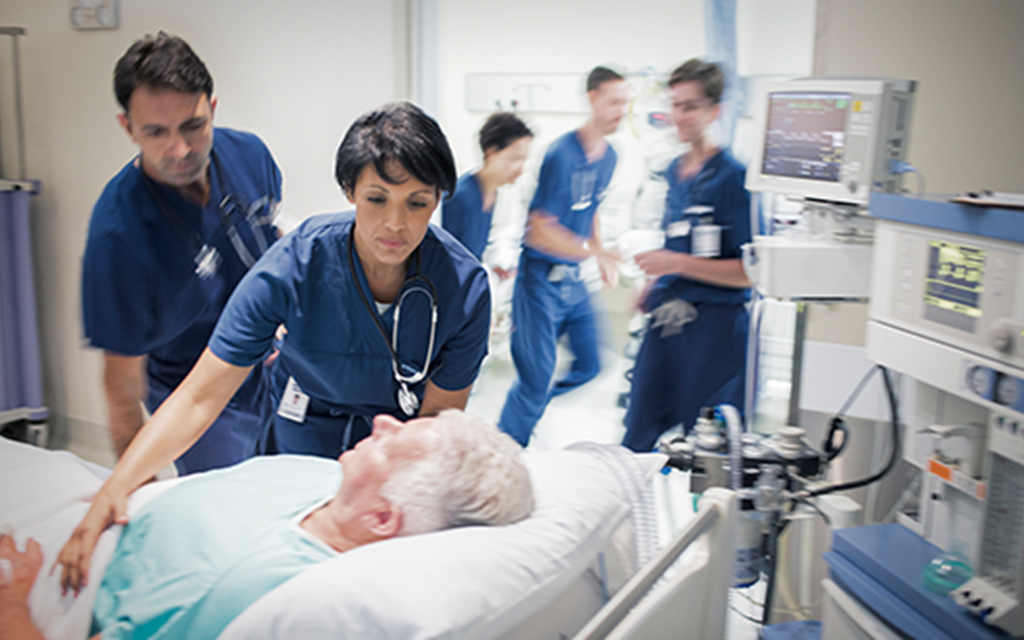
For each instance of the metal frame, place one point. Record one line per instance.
(690, 604)
(14, 32)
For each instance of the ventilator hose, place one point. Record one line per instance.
(734, 424)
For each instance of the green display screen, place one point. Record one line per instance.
(954, 284)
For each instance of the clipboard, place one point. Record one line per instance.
(1002, 200)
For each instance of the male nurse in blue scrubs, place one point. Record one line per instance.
(694, 352)
(550, 299)
(170, 237)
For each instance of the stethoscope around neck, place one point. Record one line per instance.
(407, 400)
(204, 255)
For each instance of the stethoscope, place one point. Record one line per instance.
(407, 400)
(206, 258)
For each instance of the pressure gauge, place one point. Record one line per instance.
(979, 380)
(1007, 390)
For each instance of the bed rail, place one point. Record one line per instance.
(691, 603)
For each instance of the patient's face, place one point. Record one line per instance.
(392, 445)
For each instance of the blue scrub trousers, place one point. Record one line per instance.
(232, 438)
(323, 436)
(674, 376)
(542, 312)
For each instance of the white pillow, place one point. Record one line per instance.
(473, 582)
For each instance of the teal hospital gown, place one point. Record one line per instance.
(198, 555)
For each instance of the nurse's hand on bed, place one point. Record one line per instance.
(107, 508)
(181, 420)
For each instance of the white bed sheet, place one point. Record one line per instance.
(44, 495)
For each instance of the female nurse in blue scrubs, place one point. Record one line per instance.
(505, 143)
(382, 313)
(694, 351)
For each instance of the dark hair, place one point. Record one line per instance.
(502, 129)
(398, 131)
(708, 74)
(160, 62)
(600, 75)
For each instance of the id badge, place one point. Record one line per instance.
(706, 241)
(679, 229)
(293, 403)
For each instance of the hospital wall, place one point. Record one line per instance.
(296, 73)
(775, 37)
(543, 37)
(967, 56)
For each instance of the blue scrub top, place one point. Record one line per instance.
(464, 217)
(718, 186)
(140, 292)
(332, 349)
(570, 188)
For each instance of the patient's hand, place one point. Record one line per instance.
(18, 573)
(74, 558)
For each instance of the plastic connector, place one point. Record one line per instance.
(901, 166)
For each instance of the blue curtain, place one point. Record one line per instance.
(720, 32)
(21, 380)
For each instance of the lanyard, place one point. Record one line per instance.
(206, 258)
(407, 400)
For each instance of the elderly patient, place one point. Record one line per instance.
(197, 555)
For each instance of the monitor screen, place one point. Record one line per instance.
(805, 135)
(954, 284)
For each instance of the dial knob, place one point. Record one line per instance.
(1002, 338)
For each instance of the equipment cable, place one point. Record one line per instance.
(893, 456)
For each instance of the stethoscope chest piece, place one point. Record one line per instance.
(407, 400)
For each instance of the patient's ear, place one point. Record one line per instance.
(385, 521)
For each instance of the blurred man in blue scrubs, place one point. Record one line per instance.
(170, 237)
(694, 352)
(550, 299)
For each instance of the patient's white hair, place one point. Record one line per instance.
(475, 476)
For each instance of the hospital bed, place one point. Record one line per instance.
(584, 563)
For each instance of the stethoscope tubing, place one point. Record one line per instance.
(392, 344)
